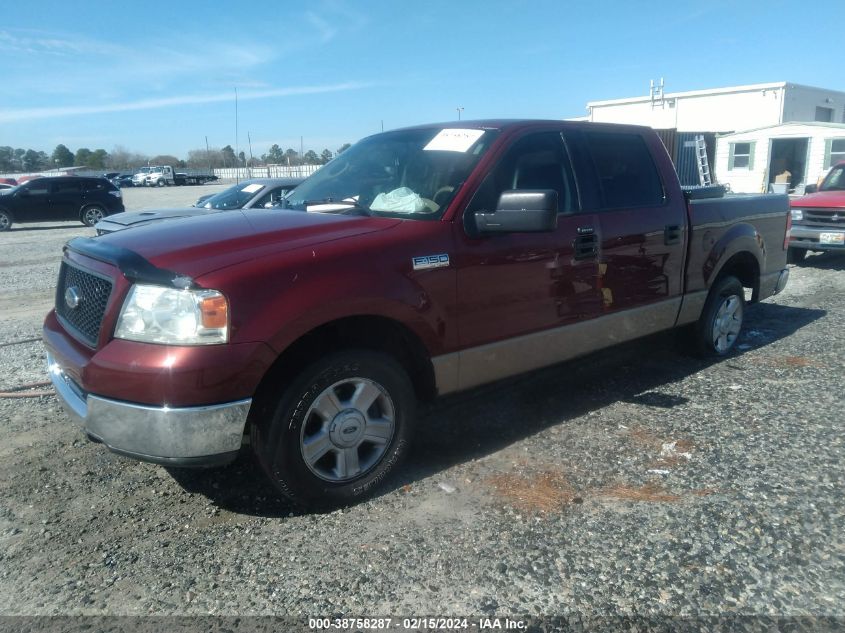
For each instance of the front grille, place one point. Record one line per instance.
(817, 217)
(92, 292)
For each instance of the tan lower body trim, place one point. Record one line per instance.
(486, 363)
(691, 307)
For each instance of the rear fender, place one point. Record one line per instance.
(740, 238)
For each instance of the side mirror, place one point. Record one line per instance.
(520, 211)
(811, 188)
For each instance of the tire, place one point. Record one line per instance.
(162, 183)
(796, 255)
(322, 449)
(719, 326)
(5, 220)
(92, 214)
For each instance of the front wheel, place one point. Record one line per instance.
(337, 431)
(92, 215)
(718, 328)
(5, 220)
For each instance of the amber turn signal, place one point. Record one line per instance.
(215, 312)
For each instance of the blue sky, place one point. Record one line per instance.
(159, 78)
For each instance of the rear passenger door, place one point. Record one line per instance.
(641, 232)
(65, 199)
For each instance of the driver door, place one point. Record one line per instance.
(515, 289)
(32, 201)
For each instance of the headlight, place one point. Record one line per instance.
(797, 214)
(154, 314)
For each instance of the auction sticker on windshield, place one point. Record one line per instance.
(832, 238)
(252, 188)
(453, 140)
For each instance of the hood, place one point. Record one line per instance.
(194, 246)
(132, 218)
(821, 200)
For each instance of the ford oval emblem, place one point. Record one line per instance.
(72, 297)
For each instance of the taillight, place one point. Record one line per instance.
(788, 231)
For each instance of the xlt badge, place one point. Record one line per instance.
(424, 262)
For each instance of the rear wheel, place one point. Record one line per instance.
(5, 220)
(337, 431)
(796, 255)
(93, 214)
(718, 328)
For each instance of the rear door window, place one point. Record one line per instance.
(625, 170)
(66, 187)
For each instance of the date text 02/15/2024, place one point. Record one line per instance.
(416, 623)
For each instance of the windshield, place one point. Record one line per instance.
(407, 173)
(234, 197)
(835, 180)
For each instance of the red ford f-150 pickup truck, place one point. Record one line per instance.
(818, 219)
(419, 262)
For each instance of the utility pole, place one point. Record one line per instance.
(237, 171)
(208, 154)
(249, 139)
(459, 109)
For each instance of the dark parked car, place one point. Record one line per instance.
(122, 180)
(259, 193)
(88, 200)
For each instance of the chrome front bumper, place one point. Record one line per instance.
(805, 236)
(206, 435)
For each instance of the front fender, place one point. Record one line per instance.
(294, 297)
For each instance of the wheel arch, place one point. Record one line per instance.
(366, 331)
(739, 252)
(746, 268)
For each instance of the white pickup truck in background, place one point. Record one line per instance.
(165, 176)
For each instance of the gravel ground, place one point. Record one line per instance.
(637, 481)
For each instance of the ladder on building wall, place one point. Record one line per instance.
(704, 177)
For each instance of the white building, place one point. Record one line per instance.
(723, 110)
(759, 114)
(750, 161)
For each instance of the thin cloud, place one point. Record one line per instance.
(326, 30)
(25, 114)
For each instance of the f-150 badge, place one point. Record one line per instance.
(424, 262)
